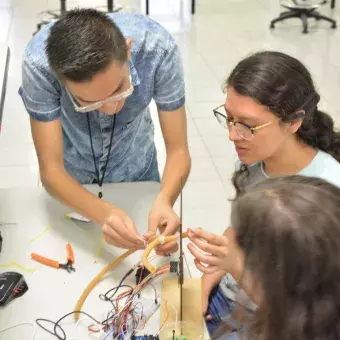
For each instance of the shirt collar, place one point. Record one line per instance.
(134, 74)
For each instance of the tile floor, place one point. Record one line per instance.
(211, 42)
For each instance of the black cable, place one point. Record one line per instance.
(104, 296)
(38, 321)
(115, 290)
(119, 285)
(57, 326)
(100, 181)
(74, 312)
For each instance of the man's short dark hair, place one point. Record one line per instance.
(83, 43)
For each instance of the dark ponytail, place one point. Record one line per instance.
(319, 133)
(284, 85)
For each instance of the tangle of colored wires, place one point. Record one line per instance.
(127, 315)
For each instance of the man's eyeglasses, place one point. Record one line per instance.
(245, 131)
(116, 98)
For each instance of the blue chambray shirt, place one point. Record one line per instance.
(156, 73)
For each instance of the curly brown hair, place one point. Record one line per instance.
(284, 85)
(289, 230)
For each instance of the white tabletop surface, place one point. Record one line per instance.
(53, 293)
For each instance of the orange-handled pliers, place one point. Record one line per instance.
(67, 266)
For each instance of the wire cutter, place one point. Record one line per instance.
(67, 266)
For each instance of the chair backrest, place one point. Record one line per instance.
(302, 4)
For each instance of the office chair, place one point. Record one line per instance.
(110, 8)
(302, 9)
(57, 14)
(54, 15)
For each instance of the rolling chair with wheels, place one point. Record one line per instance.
(302, 9)
(110, 8)
(54, 15)
(57, 14)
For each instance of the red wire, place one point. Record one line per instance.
(167, 316)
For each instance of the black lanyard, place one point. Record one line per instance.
(100, 181)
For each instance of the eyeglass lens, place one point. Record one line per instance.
(242, 130)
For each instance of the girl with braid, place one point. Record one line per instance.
(272, 115)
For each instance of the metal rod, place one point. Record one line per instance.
(181, 267)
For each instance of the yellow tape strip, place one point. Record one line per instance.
(19, 266)
(39, 235)
(100, 247)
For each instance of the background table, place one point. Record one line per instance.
(53, 293)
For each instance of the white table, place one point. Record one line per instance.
(53, 293)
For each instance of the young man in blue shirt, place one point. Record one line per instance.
(88, 80)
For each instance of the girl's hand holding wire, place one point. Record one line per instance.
(219, 251)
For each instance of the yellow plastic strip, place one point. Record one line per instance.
(19, 266)
(100, 247)
(39, 235)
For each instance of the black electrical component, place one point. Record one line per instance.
(174, 266)
(12, 285)
(141, 274)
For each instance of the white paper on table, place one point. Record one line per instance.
(77, 217)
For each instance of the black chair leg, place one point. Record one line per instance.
(62, 7)
(320, 16)
(193, 7)
(109, 5)
(147, 9)
(304, 19)
(284, 16)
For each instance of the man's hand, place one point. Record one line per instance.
(120, 231)
(163, 217)
(219, 251)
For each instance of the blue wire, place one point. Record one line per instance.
(108, 334)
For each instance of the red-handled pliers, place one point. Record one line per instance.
(67, 266)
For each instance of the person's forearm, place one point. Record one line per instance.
(237, 270)
(210, 281)
(244, 279)
(175, 174)
(68, 191)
